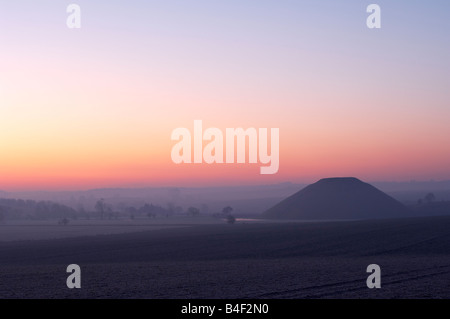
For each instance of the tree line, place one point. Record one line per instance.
(19, 209)
(11, 209)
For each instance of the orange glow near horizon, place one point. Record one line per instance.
(137, 156)
(95, 107)
(65, 168)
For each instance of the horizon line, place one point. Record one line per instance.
(209, 186)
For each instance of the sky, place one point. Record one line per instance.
(96, 106)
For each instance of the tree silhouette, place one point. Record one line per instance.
(63, 222)
(193, 211)
(231, 219)
(100, 207)
(227, 210)
(429, 198)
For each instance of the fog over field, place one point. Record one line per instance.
(314, 243)
(246, 200)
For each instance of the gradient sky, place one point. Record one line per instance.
(95, 107)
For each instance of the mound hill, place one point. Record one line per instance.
(338, 198)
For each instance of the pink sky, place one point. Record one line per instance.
(95, 107)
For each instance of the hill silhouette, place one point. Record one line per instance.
(338, 198)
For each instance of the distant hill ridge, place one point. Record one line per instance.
(338, 198)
